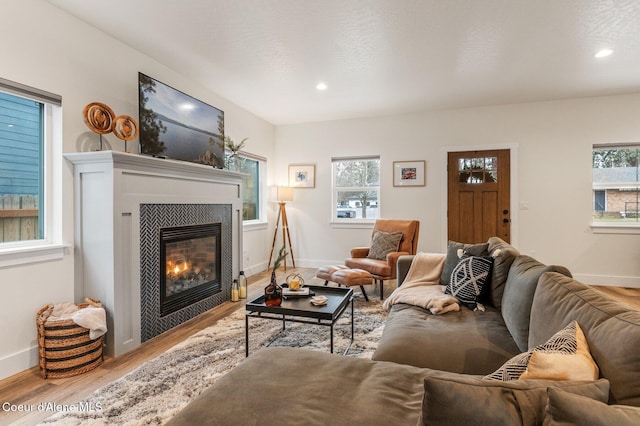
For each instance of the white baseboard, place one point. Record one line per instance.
(608, 280)
(18, 362)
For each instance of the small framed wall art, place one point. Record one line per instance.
(302, 175)
(409, 173)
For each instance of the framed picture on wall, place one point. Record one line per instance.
(302, 175)
(409, 173)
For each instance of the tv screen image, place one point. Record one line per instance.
(178, 126)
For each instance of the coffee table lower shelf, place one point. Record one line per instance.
(302, 311)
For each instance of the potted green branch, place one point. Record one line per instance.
(273, 291)
(234, 158)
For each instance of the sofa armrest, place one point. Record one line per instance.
(359, 252)
(402, 267)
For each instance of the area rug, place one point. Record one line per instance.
(158, 389)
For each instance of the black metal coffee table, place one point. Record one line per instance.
(303, 311)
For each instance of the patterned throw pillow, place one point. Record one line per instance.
(469, 278)
(384, 243)
(569, 343)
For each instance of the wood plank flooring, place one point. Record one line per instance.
(29, 387)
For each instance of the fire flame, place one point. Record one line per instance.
(177, 269)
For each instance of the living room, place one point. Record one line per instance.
(552, 139)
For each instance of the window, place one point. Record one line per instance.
(24, 129)
(478, 170)
(356, 189)
(252, 184)
(616, 184)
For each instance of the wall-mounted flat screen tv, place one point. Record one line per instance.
(177, 126)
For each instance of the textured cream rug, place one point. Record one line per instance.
(155, 391)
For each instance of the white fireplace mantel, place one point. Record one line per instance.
(109, 187)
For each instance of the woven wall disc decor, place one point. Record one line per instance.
(125, 127)
(98, 117)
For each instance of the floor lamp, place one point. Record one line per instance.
(282, 194)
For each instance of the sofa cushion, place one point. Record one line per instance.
(518, 294)
(468, 279)
(384, 243)
(455, 399)
(466, 341)
(611, 327)
(452, 258)
(291, 386)
(564, 408)
(504, 255)
(570, 342)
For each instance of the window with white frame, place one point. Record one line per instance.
(25, 124)
(616, 184)
(355, 189)
(253, 184)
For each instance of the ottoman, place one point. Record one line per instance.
(345, 276)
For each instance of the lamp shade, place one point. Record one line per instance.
(282, 194)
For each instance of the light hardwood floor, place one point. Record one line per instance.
(29, 388)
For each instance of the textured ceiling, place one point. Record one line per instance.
(381, 57)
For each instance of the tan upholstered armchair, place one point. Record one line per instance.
(383, 268)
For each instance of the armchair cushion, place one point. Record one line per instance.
(380, 269)
(384, 243)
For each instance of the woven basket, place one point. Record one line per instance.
(64, 348)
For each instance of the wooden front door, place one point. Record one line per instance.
(478, 195)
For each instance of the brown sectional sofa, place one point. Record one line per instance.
(428, 369)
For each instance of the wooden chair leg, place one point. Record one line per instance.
(381, 290)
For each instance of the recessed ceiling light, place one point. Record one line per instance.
(321, 86)
(603, 53)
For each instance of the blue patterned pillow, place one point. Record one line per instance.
(468, 279)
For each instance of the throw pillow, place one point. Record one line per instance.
(452, 258)
(564, 408)
(459, 399)
(469, 278)
(577, 363)
(384, 243)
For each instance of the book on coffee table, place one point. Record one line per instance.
(301, 292)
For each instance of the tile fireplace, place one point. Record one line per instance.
(124, 204)
(185, 257)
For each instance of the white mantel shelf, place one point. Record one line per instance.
(109, 187)
(146, 162)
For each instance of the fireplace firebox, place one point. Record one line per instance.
(191, 256)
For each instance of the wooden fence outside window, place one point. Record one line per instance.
(19, 218)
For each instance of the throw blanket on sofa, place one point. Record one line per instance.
(422, 286)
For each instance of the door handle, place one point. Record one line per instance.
(505, 220)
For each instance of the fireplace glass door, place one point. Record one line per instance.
(190, 258)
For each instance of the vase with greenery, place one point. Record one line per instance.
(234, 158)
(273, 291)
